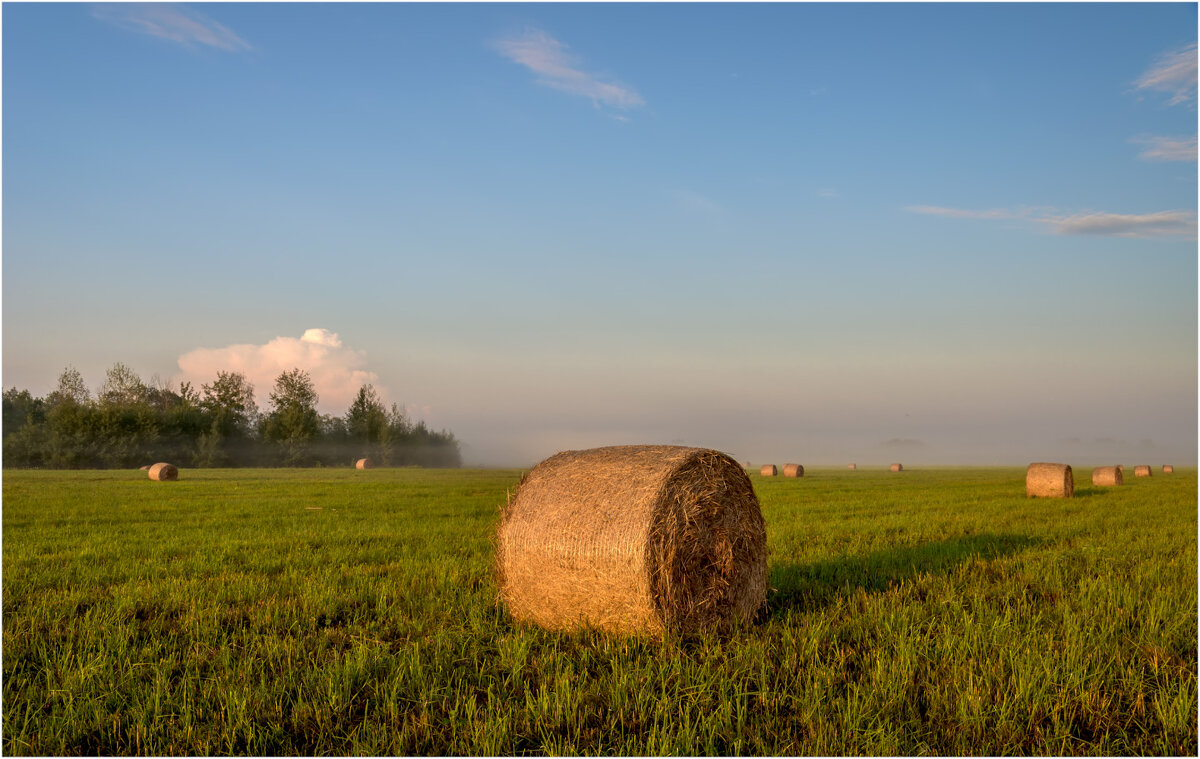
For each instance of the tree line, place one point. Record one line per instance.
(129, 423)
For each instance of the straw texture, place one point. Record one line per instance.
(793, 470)
(364, 464)
(1107, 476)
(1049, 481)
(162, 472)
(768, 470)
(897, 467)
(633, 539)
(1141, 471)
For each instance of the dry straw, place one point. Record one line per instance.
(897, 467)
(364, 464)
(1168, 469)
(1049, 481)
(162, 472)
(1107, 475)
(793, 470)
(1141, 471)
(768, 470)
(638, 539)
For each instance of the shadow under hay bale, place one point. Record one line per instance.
(1142, 471)
(633, 539)
(1044, 480)
(793, 470)
(364, 464)
(768, 470)
(163, 472)
(1107, 476)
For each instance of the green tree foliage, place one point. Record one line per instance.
(293, 422)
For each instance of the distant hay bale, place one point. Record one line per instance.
(852, 466)
(768, 470)
(1049, 481)
(1168, 469)
(163, 472)
(364, 464)
(1141, 471)
(793, 470)
(144, 468)
(1105, 476)
(897, 467)
(636, 539)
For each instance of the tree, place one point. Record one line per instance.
(123, 387)
(70, 389)
(366, 418)
(230, 400)
(293, 421)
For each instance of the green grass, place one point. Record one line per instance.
(925, 612)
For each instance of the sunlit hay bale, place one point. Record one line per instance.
(852, 466)
(1105, 476)
(1141, 471)
(1168, 469)
(144, 468)
(768, 470)
(364, 464)
(1049, 481)
(793, 470)
(897, 467)
(162, 472)
(633, 539)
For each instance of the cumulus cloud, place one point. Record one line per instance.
(548, 58)
(1146, 225)
(1175, 73)
(1167, 148)
(176, 23)
(337, 371)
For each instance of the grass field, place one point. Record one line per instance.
(342, 612)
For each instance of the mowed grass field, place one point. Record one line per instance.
(342, 612)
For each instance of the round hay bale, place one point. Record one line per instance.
(1168, 469)
(1105, 476)
(768, 470)
(163, 472)
(1141, 471)
(852, 466)
(638, 539)
(144, 468)
(1049, 481)
(793, 470)
(364, 464)
(897, 467)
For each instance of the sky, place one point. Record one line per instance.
(823, 233)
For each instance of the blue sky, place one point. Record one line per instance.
(950, 233)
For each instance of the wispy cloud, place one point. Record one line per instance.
(1170, 224)
(1167, 148)
(176, 23)
(548, 58)
(1175, 73)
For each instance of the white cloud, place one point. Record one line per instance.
(1174, 72)
(1167, 148)
(548, 58)
(176, 23)
(337, 371)
(1147, 225)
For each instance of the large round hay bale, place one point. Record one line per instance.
(1168, 469)
(162, 472)
(793, 470)
(897, 467)
(768, 470)
(1141, 471)
(852, 466)
(364, 464)
(641, 539)
(1105, 476)
(1049, 481)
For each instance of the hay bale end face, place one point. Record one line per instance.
(163, 472)
(633, 539)
(793, 470)
(1141, 471)
(1107, 476)
(896, 467)
(768, 470)
(1168, 469)
(364, 464)
(1049, 481)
